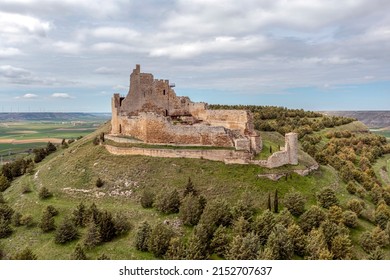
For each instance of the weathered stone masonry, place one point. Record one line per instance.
(153, 113)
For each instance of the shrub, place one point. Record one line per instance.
(189, 188)
(264, 225)
(27, 220)
(4, 183)
(295, 203)
(99, 183)
(279, 245)
(350, 219)
(44, 193)
(191, 210)
(356, 206)
(142, 237)
(5, 229)
(66, 232)
(244, 247)
(351, 187)
(312, 218)
(327, 198)
(147, 199)
(216, 213)
(221, 241)
(168, 202)
(78, 253)
(298, 239)
(16, 219)
(79, 215)
(47, 221)
(122, 224)
(26, 254)
(92, 237)
(159, 239)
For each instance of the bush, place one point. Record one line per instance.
(66, 232)
(16, 219)
(216, 213)
(47, 221)
(27, 220)
(44, 193)
(147, 199)
(244, 247)
(356, 206)
(295, 203)
(4, 183)
(5, 228)
(312, 218)
(99, 183)
(168, 202)
(78, 253)
(142, 237)
(327, 198)
(191, 210)
(159, 239)
(350, 219)
(122, 224)
(351, 187)
(92, 237)
(26, 254)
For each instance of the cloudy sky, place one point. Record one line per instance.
(71, 55)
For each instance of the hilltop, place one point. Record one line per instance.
(71, 175)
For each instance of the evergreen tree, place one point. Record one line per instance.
(244, 247)
(190, 188)
(279, 245)
(79, 215)
(106, 226)
(78, 253)
(15, 221)
(264, 225)
(103, 257)
(66, 232)
(276, 202)
(350, 219)
(122, 224)
(50, 148)
(191, 210)
(269, 206)
(2, 200)
(25, 254)
(244, 208)
(376, 254)
(241, 227)
(327, 198)
(5, 228)
(216, 212)
(142, 236)
(221, 241)
(295, 203)
(168, 202)
(99, 182)
(92, 237)
(44, 193)
(341, 247)
(317, 248)
(176, 249)
(312, 218)
(197, 249)
(285, 218)
(159, 239)
(47, 223)
(147, 199)
(298, 239)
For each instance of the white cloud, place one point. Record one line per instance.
(28, 96)
(8, 52)
(11, 72)
(67, 47)
(61, 95)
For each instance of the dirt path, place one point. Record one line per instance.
(26, 141)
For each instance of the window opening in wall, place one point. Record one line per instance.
(164, 91)
(120, 128)
(166, 113)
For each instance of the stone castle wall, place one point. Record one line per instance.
(152, 128)
(227, 156)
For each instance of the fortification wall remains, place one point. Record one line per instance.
(153, 128)
(228, 156)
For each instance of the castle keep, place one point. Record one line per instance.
(153, 113)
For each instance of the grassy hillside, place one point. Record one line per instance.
(71, 175)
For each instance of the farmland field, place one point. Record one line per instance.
(20, 137)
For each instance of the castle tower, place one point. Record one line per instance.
(115, 108)
(291, 147)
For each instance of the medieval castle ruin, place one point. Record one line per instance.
(153, 113)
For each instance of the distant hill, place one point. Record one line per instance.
(52, 116)
(373, 119)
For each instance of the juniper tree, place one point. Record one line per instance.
(66, 232)
(190, 188)
(147, 199)
(78, 253)
(92, 237)
(295, 203)
(244, 247)
(190, 210)
(279, 245)
(25, 254)
(47, 222)
(4, 183)
(276, 202)
(220, 242)
(79, 215)
(142, 236)
(159, 239)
